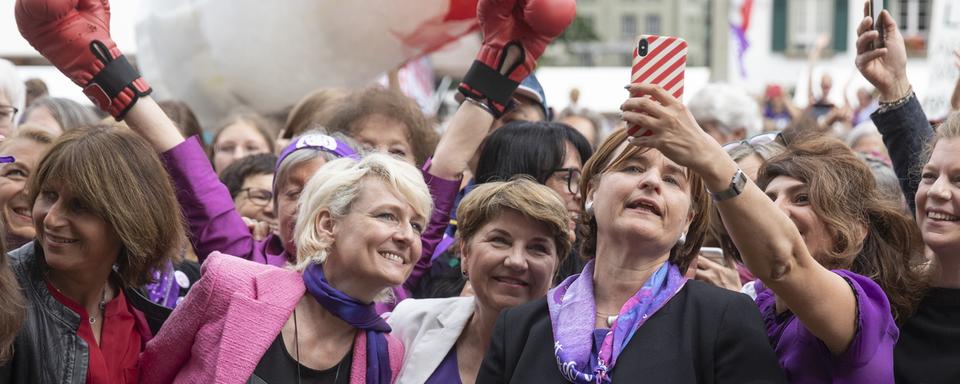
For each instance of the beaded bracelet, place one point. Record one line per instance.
(886, 106)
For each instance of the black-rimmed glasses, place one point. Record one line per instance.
(258, 197)
(572, 177)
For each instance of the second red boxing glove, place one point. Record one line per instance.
(74, 35)
(523, 27)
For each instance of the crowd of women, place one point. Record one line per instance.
(356, 246)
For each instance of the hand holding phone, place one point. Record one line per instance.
(661, 61)
(875, 7)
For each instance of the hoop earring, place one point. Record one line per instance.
(465, 275)
(588, 208)
(682, 239)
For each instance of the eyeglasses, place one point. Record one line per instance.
(257, 196)
(7, 113)
(572, 177)
(758, 140)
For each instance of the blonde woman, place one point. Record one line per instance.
(357, 235)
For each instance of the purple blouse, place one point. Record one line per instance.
(215, 225)
(805, 359)
(448, 372)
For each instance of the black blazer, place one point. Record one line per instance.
(704, 334)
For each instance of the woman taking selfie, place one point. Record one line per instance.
(836, 261)
(631, 313)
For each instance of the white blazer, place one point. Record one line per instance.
(428, 329)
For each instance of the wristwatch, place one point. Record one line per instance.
(736, 187)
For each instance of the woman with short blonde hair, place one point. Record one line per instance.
(358, 235)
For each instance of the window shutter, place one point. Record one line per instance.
(779, 38)
(841, 10)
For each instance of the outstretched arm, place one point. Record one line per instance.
(769, 242)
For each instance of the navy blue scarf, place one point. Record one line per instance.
(360, 315)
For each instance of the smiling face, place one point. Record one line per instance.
(792, 196)
(376, 244)
(510, 260)
(380, 133)
(13, 178)
(255, 199)
(645, 197)
(73, 238)
(938, 198)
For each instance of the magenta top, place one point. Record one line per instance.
(215, 225)
(805, 359)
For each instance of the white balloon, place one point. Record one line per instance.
(217, 55)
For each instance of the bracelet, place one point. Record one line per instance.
(888, 105)
(481, 105)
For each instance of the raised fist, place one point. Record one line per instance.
(75, 36)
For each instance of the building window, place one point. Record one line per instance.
(653, 24)
(913, 17)
(798, 24)
(808, 20)
(628, 26)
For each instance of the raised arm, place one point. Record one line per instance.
(900, 119)
(769, 242)
(75, 37)
(512, 43)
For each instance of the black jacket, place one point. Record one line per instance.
(905, 132)
(48, 350)
(703, 335)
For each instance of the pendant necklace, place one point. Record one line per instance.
(296, 339)
(608, 317)
(103, 305)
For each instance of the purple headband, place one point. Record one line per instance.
(319, 141)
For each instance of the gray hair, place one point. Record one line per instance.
(12, 86)
(304, 155)
(888, 184)
(862, 130)
(730, 107)
(68, 113)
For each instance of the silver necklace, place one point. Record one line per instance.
(296, 347)
(102, 306)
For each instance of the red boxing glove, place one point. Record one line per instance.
(75, 36)
(524, 26)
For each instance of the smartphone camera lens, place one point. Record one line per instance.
(642, 48)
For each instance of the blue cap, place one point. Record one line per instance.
(530, 87)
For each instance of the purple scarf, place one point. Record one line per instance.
(360, 315)
(572, 309)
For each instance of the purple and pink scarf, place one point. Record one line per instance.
(572, 314)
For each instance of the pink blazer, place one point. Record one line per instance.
(228, 320)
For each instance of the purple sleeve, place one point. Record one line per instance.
(213, 221)
(877, 332)
(444, 194)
